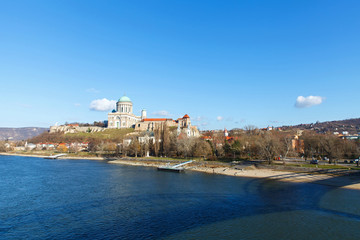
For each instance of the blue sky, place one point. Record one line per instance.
(225, 63)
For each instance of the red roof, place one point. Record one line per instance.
(206, 137)
(186, 116)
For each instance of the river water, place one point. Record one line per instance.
(84, 199)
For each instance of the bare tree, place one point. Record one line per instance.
(201, 148)
(2, 147)
(185, 147)
(287, 145)
(331, 145)
(250, 129)
(269, 147)
(311, 144)
(134, 147)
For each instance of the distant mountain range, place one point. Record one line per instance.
(18, 134)
(352, 126)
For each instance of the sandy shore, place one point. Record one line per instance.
(352, 182)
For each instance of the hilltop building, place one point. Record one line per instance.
(123, 117)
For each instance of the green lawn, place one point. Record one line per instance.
(113, 134)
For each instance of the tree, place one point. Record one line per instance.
(251, 129)
(227, 148)
(201, 148)
(2, 147)
(185, 147)
(311, 144)
(269, 146)
(287, 145)
(94, 145)
(237, 148)
(134, 147)
(110, 147)
(331, 145)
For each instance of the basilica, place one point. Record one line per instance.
(123, 117)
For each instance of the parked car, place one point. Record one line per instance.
(314, 161)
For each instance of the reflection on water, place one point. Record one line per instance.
(91, 199)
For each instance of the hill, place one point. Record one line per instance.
(18, 134)
(352, 126)
(114, 135)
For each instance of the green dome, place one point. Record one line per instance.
(124, 99)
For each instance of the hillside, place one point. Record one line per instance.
(352, 126)
(115, 135)
(17, 134)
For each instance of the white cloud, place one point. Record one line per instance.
(102, 105)
(303, 102)
(162, 113)
(219, 118)
(92, 90)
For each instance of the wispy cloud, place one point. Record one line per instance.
(240, 121)
(274, 121)
(303, 102)
(199, 119)
(162, 113)
(77, 104)
(219, 118)
(92, 90)
(102, 105)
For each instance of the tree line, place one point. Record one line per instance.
(247, 144)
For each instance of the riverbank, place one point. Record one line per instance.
(336, 179)
(62, 157)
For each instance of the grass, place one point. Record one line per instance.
(108, 134)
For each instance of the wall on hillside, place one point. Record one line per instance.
(75, 129)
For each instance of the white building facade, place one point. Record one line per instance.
(123, 116)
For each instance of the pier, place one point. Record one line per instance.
(55, 156)
(174, 168)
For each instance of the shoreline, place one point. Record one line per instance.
(349, 182)
(265, 174)
(43, 156)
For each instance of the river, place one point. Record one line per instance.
(87, 199)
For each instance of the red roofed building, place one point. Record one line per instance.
(123, 117)
(183, 125)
